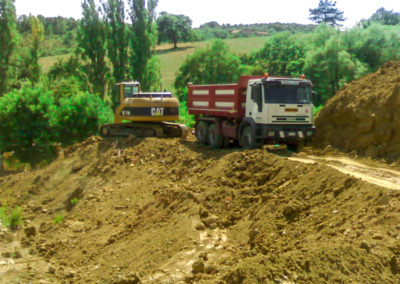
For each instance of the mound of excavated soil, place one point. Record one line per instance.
(168, 211)
(364, 116)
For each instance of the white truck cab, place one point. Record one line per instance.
(280, 110)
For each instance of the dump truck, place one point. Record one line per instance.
(255, 111)
(144, 114)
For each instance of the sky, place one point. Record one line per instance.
(225, 11)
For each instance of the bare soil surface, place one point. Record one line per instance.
(364, 116)
(172, 211)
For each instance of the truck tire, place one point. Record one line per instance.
(214, 140)
(295, 147)
(201, 132)
(247, 138)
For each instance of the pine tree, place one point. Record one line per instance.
(7, 40)
(143, 64)
(327, 13)
(91, 44)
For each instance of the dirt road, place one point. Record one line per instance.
(376, 175)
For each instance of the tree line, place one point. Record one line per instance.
(330, 57)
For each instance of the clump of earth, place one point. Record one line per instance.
(364, 116)
(173, 211)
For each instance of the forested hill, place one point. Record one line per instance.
(214, 30)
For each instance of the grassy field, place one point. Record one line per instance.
(171, 59)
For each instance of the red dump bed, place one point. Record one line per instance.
(225, 100)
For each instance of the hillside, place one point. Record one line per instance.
(171, 59)
(162, 211)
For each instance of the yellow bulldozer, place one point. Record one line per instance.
(144, 114)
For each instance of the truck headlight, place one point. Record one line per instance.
(271, 133)
(309, 133)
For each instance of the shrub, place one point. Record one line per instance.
(78, 117)
(58, 219)
(11, 218)
(24, 123)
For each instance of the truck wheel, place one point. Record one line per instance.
(214, 140)
(247, 138)
(201, 132)
(295, 147)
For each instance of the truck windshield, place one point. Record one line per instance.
(287, 94)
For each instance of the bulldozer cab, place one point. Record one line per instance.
(125, 90)
(129, 89)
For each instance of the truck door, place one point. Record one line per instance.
(255, 103)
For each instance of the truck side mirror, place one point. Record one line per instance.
(314, 96)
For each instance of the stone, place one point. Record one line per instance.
(198, 266)
(30, 231)
(210, 268)
(203, 255)
(364, 245)
(51, 269)
(200, 227)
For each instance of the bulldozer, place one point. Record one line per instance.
(144, 114)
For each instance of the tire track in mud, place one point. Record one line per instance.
(376, 175)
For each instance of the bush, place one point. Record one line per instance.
(78, 117)
(25, 123)
(32, 121)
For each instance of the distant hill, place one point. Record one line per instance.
(215, 30)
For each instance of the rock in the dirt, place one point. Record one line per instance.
(30, 231)
(203, 213)
(211, 221)
(203, 255)
(364, 245)
(288, 211)
(51, 269)
(130, 278)
(200, 227)
(377, 237)
(210, 268)
(198, 266)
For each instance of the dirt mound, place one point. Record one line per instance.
(170, 211)
(364, 116)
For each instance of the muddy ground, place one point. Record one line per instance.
(172, 211)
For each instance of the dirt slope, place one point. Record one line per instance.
(168, 211)
(364, 116)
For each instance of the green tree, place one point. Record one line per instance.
(114, 16)
(24, 123)
(142, 41)
(174, 28)
(7, 40)
(384, 17)
(213, 64)
(34, 52)
(330, 66)
(91, 44)
(327, 13)
(282, 54)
